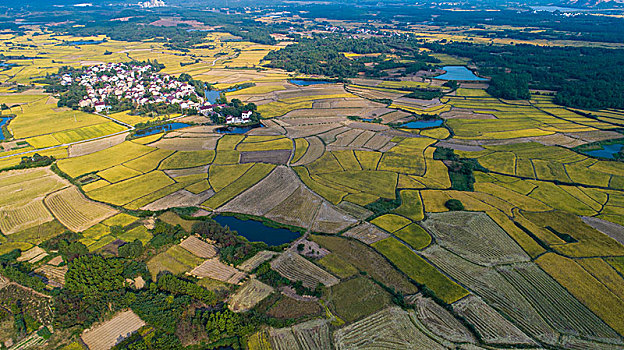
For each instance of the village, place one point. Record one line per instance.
(139, 84)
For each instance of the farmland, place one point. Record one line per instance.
(296, 268)
(107, 334)
(428, 213)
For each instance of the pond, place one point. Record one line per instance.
(237, 129)
(301, 82)
(422, 124)
(607, 151)
(3, 122)
(212, 96)
(87, 42)
(160, 128)
(458, 73)
(256, 231)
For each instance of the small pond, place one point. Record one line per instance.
(160, 128)
(301, 82)
(237, 129)
(607, 151)
(87, 42)
(3, 122)
(256, 231)
(458, 73)
(212, 96)
(422, 124)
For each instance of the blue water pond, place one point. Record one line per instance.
(3, 121)
(309, 82)
(237, 129)
(607, 151)
(160, 128)
(87, 42)
(422, 124)
(212, 96)
(458, 73)
(256, 231)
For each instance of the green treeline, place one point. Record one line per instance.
(583, 77)
(325, 56)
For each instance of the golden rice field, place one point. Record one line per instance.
(540, 213)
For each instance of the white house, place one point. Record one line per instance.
(100, 106)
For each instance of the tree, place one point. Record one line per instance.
(131, 250)
(454, 205)
(510, 86)
(94, 276)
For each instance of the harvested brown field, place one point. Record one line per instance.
(492, 327)
(459, 146)
(610, 229)
(271, 157)
(362, 139)
(180, 198)
(330, 136)
(54, 274)
(315, 150)
(299, 209)
(199, 247)
(355, 210)
(311, 121)
(20, 187)
(188, 171)
(389, 329)
(330, 219)
(75, 211)
(266, 194)
(375, 94)
(309, 130)
(377, 142)
(105, 335)
(395, 116)
(367, 233)
(215, 269)
(257, 260)
(441, 322)
(81, 149)
(594, 136)
(345, 138)
(250, 294)
(464, 233)
(187, 143)
(14, 220)
(311, 335)
(56, 261)
(296, 268)
(460, 113)
(33, 255)
(495, 290)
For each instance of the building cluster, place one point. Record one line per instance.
(140, 85)
(151, 4)
(365, 31)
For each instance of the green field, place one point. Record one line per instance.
(419, 270)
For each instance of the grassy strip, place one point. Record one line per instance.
(420, 270)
